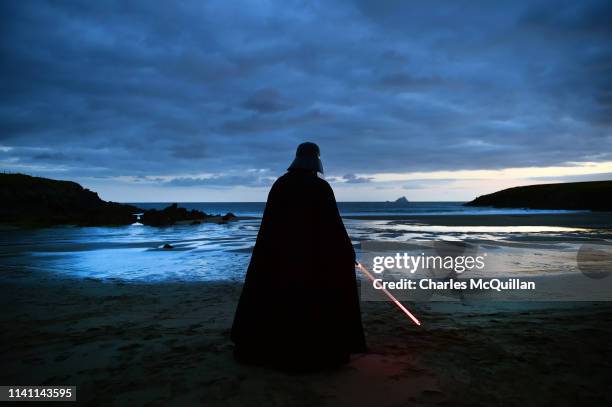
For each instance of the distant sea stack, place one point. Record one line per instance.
(400, 201)
(35, 202)
(595, 196)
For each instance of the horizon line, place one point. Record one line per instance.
(171, 202)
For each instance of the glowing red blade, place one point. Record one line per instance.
(391, 297)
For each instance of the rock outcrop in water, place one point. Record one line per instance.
(399, 201)
(594, 195)
(171, 215)
(35, 201)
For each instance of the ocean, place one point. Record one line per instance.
(355, 208)
(221, 252)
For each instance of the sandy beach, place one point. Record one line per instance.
(168, 344)
(129, 323)
(578, 220)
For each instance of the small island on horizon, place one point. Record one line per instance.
(400, 201)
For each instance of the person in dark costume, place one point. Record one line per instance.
(299, 307)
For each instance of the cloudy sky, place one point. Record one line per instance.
(206, 100)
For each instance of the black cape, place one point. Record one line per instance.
(299, 308)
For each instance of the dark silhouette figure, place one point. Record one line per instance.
(299, 308)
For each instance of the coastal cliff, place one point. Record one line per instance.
(35, 202)
(594, 195)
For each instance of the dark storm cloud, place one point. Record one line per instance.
(354, 179)
(405, 81)
(266, 101)
(223, 181)
(157, 88)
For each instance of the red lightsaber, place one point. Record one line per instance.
(391, 297)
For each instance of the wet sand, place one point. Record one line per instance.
(578, 220)
(168, 344)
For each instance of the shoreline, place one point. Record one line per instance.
(591, 220)
(587, 220)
